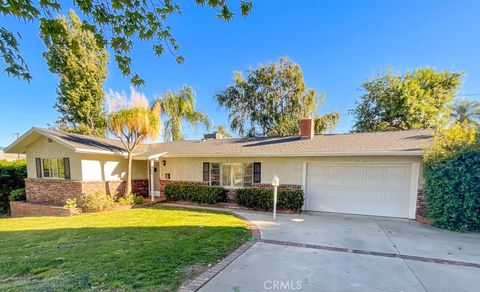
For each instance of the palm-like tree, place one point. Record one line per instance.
(466, 111)
(133, 124)
(179, 107)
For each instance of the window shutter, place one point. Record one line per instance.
(215, 174)
(257, 172)
(66, 165)
(38, 165)
(206, 171)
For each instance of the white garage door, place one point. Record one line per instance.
(369, 189)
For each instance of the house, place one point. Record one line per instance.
(361, 173)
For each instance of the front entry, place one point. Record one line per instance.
(156, 179)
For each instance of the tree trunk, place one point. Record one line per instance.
(128, 188)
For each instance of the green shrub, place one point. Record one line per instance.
(96, 202)
(17, 195)
(139, 200)
(71, 203)
(452, 191)
(127, 200)
(452, 178)
(195, 193)
(12, 176)
(263, 199)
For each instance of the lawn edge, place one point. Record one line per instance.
(209, 274)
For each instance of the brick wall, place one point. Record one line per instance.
(22, 209)
(52, 191)
(56, 192)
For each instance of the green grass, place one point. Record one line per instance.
(150, 249)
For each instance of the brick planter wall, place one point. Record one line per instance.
(56, 192)
(22, 209)
(421, 208)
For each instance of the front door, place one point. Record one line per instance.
(156, 178)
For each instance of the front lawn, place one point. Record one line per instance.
(155, 248)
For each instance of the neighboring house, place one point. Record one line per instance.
(361, 173)
(10, 156)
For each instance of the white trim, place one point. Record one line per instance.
(304, 185)
(304, 154)
(414, 190)
(156, 156)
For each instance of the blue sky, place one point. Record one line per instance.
(338, 44)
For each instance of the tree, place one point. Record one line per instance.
(178, 107)
(270, 101)
(223, 131)
(466, 111)
(132, 122)
(326, 122)
(114, 23)
(416, 100)
(82, 67)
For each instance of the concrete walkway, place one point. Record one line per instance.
(330, 252)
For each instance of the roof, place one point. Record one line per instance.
(410, 142)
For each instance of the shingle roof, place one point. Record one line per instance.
(399, 142)
(409, 142)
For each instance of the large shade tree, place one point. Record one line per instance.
(416, 100)
(132, 121)
(82, 68)
(178, 107)
(114, 23)
(271, 100)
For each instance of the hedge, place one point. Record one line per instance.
(195, 193)
(12, 176)
(263, 199)
(452, 191)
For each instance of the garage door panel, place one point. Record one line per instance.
(371, 189)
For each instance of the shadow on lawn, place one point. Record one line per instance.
(125, 258)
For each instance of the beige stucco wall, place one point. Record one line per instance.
(97, 167)
(288, 169)
(43, 149)
(86, 167)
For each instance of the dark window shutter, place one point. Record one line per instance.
(66, 164)
(206, 171)
(257, 172)
(38, 165)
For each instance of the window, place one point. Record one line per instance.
(53, 168)
(230, 175)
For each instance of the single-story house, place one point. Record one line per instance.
(376, 173)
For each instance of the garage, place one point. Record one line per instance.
(362, 188)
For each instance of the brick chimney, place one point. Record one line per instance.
(307, 130)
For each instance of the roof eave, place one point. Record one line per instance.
(303, 154)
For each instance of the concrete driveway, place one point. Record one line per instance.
(332, 252)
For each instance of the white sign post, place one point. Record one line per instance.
(275, 184)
